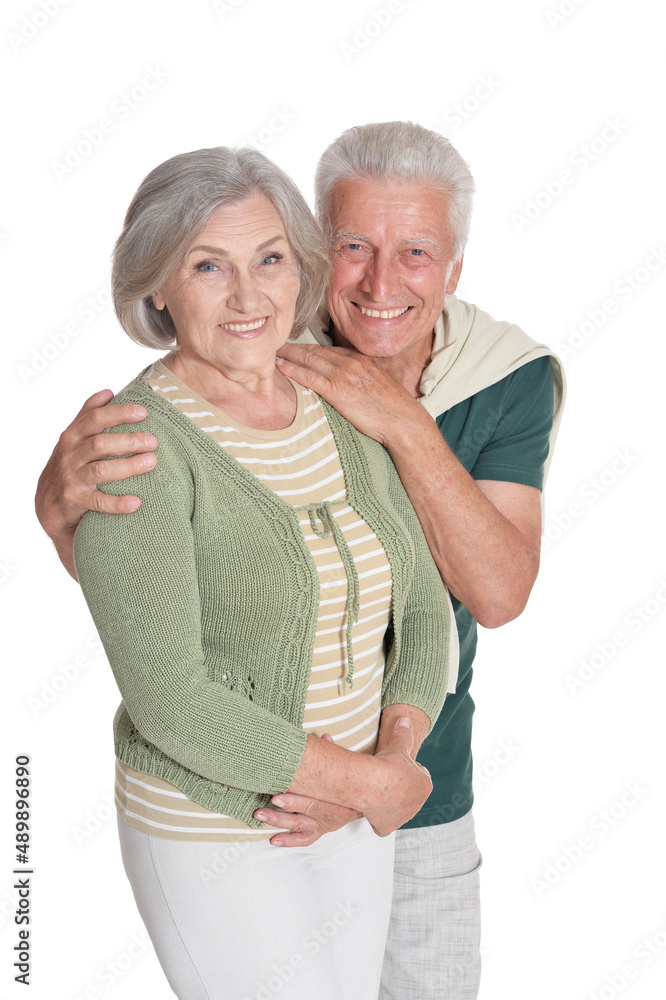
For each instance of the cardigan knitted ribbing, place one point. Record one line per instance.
(206, 600)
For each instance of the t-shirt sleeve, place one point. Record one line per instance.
(517, 449)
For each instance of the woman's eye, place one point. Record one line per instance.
(206, 265)
(272, 258)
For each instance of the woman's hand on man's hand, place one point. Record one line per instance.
(394, 787)
(307, 819)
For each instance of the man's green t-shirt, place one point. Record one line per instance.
(500, 433)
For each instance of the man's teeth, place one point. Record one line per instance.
(383, 313)
(244, 327)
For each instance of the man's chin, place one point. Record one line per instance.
(375, 343)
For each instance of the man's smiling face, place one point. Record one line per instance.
(392, 263)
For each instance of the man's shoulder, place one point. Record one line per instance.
(474, 352)
(530, 380)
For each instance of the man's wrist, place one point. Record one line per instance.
(64, 546)
(407, 427)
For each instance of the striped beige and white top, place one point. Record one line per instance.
(300, 464)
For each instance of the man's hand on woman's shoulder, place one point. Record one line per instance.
(67, 487)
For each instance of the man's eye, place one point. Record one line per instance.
(353, 246)
(416, 252)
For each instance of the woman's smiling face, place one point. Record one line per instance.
(232, 300)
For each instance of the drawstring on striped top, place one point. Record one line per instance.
(321, 512)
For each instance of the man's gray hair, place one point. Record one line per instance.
(401, 150)
(174, 203)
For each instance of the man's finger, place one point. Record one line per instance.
(294, 839)
(314, 355)
(100, 398)
(307, 377)
(121, 468)
(107, 504)
(100, 418)
(110, 445)
(82, 491)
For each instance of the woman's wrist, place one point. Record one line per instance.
(333, 774)
(387, 788)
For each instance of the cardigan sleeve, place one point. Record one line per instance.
(139, 578)
(420, 666)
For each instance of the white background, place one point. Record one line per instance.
(537, 92)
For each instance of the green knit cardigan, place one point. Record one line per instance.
(206, 600)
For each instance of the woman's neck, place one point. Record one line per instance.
(263, 400)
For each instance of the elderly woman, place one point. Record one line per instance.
(272, 599)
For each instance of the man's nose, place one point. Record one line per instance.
(381, 281)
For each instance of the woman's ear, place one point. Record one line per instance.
(158, 301)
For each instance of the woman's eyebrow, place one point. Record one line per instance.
(225, 253)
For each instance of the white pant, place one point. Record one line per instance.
(432, 951)
(248, 921)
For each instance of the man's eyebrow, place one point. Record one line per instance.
(409, 241)
(421, 239)
(356, 237)
(219, 252)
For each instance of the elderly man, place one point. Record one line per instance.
(468, 408)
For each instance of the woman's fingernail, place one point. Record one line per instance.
(277, 801)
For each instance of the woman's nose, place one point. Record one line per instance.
(245, 295)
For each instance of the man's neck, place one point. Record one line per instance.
(406, 368)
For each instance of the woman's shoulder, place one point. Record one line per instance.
(163, 420)
(135, 389)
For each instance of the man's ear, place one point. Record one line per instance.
(452, 283)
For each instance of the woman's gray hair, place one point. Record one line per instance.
(401, 150)
(174, 203)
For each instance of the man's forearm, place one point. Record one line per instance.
(486, 562)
